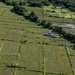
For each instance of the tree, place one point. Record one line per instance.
(19, 9)
(48, 25)
(46, 2)
(34, 4)
(70, 4)
(45, 24)
(32, 17)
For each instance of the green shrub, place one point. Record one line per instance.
(35, 3)
(45, 24)
(32, 17)
(19, 9)
(46, 2)
(23, 41)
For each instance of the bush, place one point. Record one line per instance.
(22, 3)
(45, 24)
(35, 3)
(8, 2)
(19, 9)
(67, 36)
(46, 2)
(48, 25)
(32, 17)
(12, 2)
(23, 41)
(57, 29)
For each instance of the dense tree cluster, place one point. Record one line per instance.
(38, 3)
(19, 9)
(12, 2)
(34, 3)
(65, 3)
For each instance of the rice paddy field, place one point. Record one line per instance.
(25, 51)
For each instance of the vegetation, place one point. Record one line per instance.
(12, 2)
(67, 3)
(67, 36)
(58, 12)
(32, 17)
(34, 4)
(19, 9)
(45, 24)
(23, 46)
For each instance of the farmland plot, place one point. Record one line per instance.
(10, 47)
(57, 61)
(31, 57)
(22, 72)
(25, 50)
(3, 33)
(58, 12)
(7, 60)
(5, 71)
(15, 35)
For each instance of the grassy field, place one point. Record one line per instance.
(25, 51)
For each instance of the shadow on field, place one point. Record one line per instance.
(15, 66)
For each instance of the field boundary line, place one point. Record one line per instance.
(17, 63)
(3, 12)
(45, 72)
(43, 62)
(8, 54)
(1, 46)
(67, 52)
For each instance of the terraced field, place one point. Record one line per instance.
(25, 51)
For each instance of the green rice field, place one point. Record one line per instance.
(25, 51)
